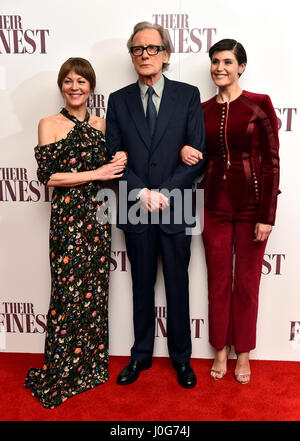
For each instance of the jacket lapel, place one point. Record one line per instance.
(166, 110)
(136, 110)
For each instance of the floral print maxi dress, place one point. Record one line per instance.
(76, 352)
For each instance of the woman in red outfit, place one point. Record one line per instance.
(240, 194)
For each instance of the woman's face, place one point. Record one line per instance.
(224, 68)
(75, 89)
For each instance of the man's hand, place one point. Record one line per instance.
(153, 201)
(190, 156)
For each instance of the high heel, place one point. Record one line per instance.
(239, 377)
(220, 374)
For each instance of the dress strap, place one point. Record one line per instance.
(73, 118)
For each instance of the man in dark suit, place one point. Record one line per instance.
(152, 119)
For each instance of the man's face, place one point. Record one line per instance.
(149, 66)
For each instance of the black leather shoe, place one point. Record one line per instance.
(186, 375)
(131, 372)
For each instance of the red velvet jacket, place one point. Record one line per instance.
(242, 147)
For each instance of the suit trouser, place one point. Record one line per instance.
(143, 249)
(233, 284)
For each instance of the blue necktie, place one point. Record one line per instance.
(151, 114)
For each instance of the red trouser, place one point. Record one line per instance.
(232, 286)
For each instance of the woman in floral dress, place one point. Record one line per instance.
(71, 157)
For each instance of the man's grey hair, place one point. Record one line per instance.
(147, 25)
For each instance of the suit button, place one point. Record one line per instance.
(153, 164)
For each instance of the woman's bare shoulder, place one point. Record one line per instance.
(48, 127)
(51, 121)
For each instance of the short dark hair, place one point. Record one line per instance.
(82, 67)
(147, 25)
(228, 44)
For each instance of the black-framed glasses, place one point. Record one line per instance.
(151, 50)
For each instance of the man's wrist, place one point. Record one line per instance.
(138, 196)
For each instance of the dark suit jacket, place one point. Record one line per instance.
(246, 133)
(156, 164)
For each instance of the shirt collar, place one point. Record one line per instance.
(158, 87)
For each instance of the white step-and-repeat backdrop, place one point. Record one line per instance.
(35, 39)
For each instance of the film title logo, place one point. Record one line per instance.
(16, 187)
(21, 318)
(16, 40)
(285, 117)
(182, 37)
(295, 332)
(272, 264)
(161, 323)
(118, 260)
(96, 105)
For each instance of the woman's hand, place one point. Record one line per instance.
(190, 156)
(262, 232)
(109, 171)
(121, 156)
